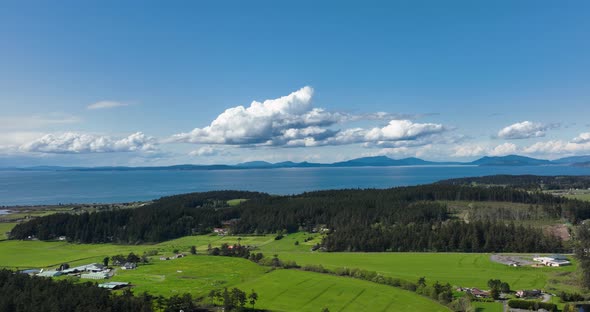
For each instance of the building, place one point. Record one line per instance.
(528, 293)
(220, 231)
(95, 275)
(129, 266)
(50, 273)
(31, 271)
(553, 260)
(113, 285)
(479, 293)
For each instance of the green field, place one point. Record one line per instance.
(291, 290)
(192, 274)
(5, 227)
(459, 269)
(199, 274)
(488, 307)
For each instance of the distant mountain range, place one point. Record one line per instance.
(376, 161)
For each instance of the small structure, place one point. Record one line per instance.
(220, 231)
(113, 285)
(61, 238)
(528, 293)
(31, 271)
(95, 275)
(553, 260)
(479, 293)
(129, 266)
(50, 273)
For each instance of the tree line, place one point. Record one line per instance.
(403, 218)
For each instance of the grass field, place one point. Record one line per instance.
(192, 274)
(459, 269)
(235, 202)
(306, 290)
(290, 290)
(488, 307)
(5, 227)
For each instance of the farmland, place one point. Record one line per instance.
(283, 290)
(192, 274)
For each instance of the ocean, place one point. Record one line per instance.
(55, 187)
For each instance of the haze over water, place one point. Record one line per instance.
(54, 187)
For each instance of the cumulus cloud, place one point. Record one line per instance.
(523, 130)
(291, 121)
(207, 151)
(503, 149)
(78, 143)
(582, 138)
(472, 150)
(106, 104)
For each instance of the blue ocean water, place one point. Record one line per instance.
(54, 187)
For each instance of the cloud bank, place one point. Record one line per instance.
(78, 143)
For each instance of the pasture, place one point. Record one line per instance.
(192, 274)
(5, 227)
(292, 290)
(459, 269)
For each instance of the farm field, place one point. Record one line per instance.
(291, 290)
(459, 269)
(192, 274)
(5, 227)
(45, 254)
(488, 306)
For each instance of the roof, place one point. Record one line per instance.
(112, 285)
(96, 275)
(49, 273)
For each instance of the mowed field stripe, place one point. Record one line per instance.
(352, 300)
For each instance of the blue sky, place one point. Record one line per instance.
(143, 83)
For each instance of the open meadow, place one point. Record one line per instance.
(283, 289)
(290, 290)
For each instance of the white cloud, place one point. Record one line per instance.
(582, 138)
(523, 130)
(77, 143)
(106, 104)
(503, 149)
(472, 150)
(209, 150)
(291, 121)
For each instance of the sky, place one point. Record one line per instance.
(142, 83)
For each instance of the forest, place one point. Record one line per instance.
(528, 182)
(397, 219)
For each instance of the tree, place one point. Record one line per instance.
(133, 258)
(495, 293)
(105, 261)
(193, 250)
(422, 281)
(252, 298)
(505, 287)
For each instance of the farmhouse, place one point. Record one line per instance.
(220, 231)
(479, 293)
(528, 293)
(129, 266)
(553, 260)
